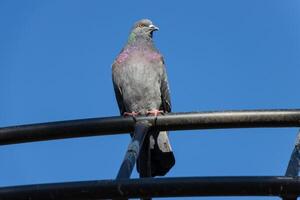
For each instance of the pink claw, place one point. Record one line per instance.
(155, 112)
(132, 114)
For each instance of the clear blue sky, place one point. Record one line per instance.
(55, 64)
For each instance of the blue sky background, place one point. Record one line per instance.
(55, 64)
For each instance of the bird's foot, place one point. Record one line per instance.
(131, 114)
(155, 112)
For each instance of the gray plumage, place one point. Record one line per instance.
(141, 85)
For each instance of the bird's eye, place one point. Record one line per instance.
(141, 25)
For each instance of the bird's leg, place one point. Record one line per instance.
(132, 114)
(155, 112)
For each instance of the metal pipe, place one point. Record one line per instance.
(172, 121)
(294, 163)
(133, 150)
(157, 187)
(289, 198)
(144, 160)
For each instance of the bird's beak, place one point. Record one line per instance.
(154, 28)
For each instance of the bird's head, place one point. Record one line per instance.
(144, 27)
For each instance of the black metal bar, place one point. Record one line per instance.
(172, 121)
(66, 129)
(133, 150)
(294, 163)
(156, 187)
(144, 160)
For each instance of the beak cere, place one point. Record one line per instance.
(154, 28)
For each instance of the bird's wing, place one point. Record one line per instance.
(165, 90)
(118, 91)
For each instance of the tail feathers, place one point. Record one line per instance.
(162, 157)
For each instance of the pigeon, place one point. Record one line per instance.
(141, 88)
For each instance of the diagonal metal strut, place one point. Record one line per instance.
(294, 165)
(141, 129)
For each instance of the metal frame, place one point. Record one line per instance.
(172, 121)
(157, 187)
(287, 187)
